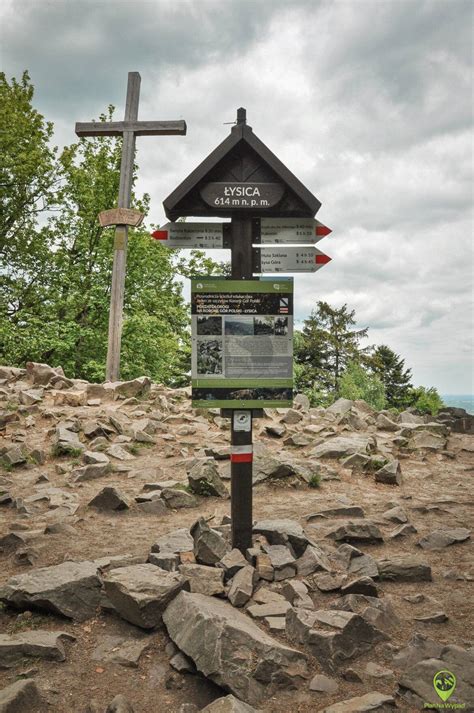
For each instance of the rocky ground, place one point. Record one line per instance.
(120, 590)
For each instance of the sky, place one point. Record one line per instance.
(368, 103)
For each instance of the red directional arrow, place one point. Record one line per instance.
(321, 230)
(160, 235)
(322, 259)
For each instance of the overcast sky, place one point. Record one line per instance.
(368, 102)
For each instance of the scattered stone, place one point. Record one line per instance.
(435, 618)
(231, 563)
(109, 498)
(343, 511)
(210, 547)
(366, 532)
(241, 586)
(396, 514)
(264, 569)
(419, 647)
(292, 417)
(390, 474)
(313, 560)
(275, 623)
(155, 506)
(363, 566)
(296, 592)
(282, 532)
(120, 453)
(141, 592)
(20, 697)
(427, 441)
(182, 663)
(203, 579)
(94, 457)
(323, 684)
(175, 541)
(204, 479)
(37, 644)
(275, 430)
(229, 704)
(351, 675)
(444, 538)
(403, 531)
(120, 650)
(384, 423)
(404, 568)
(259, 611)
(31, 396)
(327, 582)
(14, 456)
(341, 446)
(377, 671)
(166, 560)
(90, 472)
(67, 442)
(71, 589)
(119, 705)
(282, 561)
(176, 498)
(362, 585)
(242, 658)
(374, 702)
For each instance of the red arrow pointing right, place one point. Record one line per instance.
(322, 259)
(322, 230)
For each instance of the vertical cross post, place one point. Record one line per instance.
(241, 440)
(121, 232)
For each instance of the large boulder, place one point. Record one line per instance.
(36, 644)
(141, 592)
(238, 655)
(340, 407)
(70, 588)
(404, 568)
(341, 446)
(427, 441)
(438, 539)
(390, 473)
(204, 479)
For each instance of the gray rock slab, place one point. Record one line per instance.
(373, 702)
(404, 568)
(241, 586)
(323, 684)
(438, 539)
(229, 704)
(203, 579)
(70, 588)
(121, 650)
(22, 697)
(238, 655)
(204, 479)
(36, 643)
(344, 446)
(390, 473)
(176, 498)
(141, 592)
(282, 532)
(119, 705)
(175, 541)
(364, 531)
(109, 498)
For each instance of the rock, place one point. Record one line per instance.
(282, 532)
(374, 702)
(231, 563)
(141, 592)
(28, 397)
(71, 589)
(384, 423)
(37, 644)
(356, 460)
(427, 441)
(343, 511)
(296, 592)
(21, 697)
(41, 374)
(344, 446)
(264, 567)
(238, 655)
(109, 498)
(210, 547)
(361, 585)
(282, 561)
(176, 498)
(434, 618)
(378, 612)
(403, 531)
(120, 650)
(298, 440)
(118, 452)
(396, 514)
(155, 506)
(182, 663)
(409, 417)
(94, 457)
(419, 647)
(326, 582)
(202, 579)
(278, 608)
(418, 679)
(377, 671)
(340, 407)
(323, 684)
(166, 560)
(312, 560)
(292, 417)
(275, 430)
(229, 704)
(14, 456)
(67, 442)
(404, 568)
(119, 705)
(175, 541)
(363, 566)
(302, 402)
(266, 466)
(349, 674)
(390, 474)
(241, 586)
(204, 479)
(90, 472)
(443, 538)
(366, 532)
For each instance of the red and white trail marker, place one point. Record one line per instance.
(292, 231)
(288, 259)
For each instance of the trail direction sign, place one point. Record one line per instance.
(292, 231)
(194, 235)
(288, 259)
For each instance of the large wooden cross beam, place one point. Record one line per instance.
(129, 128)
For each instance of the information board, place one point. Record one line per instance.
(242, 342)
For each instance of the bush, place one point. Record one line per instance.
(427, 400)
(314, 481)
(356, 383)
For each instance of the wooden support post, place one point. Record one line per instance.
(241, 440)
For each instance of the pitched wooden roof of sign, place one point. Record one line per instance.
(241, 158)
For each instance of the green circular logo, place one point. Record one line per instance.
(444, 683)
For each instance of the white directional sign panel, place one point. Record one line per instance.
(293, 231)
(288, 259)
(191, 235)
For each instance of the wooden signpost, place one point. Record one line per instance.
(236, 328)
(129, 128)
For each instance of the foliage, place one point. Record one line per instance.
(325, 346)
(389, 367)
(426, 400)
(357, 383)
(314, 481)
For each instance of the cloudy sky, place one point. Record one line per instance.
(368, 102)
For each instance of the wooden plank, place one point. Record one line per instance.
(140, 128)
(120, 216)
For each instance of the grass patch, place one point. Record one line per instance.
(57, 451)
(314, 481)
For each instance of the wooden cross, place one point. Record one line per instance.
(129, 128)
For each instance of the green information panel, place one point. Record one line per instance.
(242, 339)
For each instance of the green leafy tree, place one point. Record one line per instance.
(390, 369)
(327, 344)
(426, 400)
(357, 383)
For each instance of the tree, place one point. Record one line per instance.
(426, 400)
(357, 383)
(327, 344)
(390, 369)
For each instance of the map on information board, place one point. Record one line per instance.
(242, 342)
